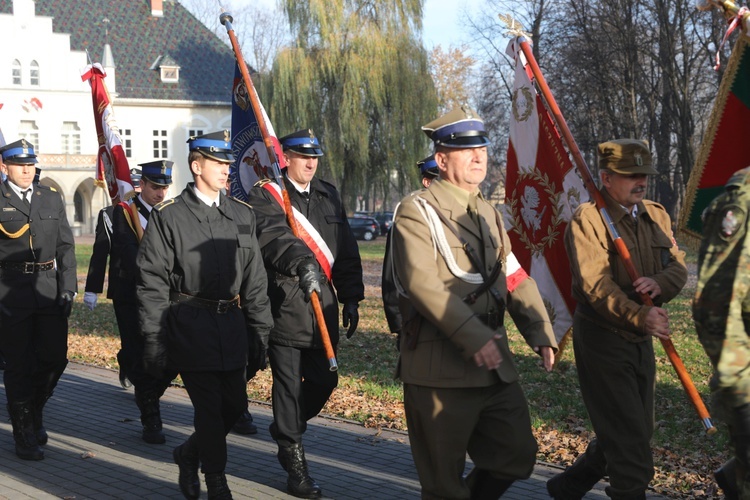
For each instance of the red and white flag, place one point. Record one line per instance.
(112, 165)
(542, 192)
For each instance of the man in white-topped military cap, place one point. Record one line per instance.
(454, 263)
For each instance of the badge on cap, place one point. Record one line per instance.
(638, 159)
(731, 223)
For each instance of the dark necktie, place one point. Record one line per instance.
(26, 195)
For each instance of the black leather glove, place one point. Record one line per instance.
(65, 301)
(309, 278)
(350, 317)
(154, 357)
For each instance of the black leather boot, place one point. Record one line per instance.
(22, 419)
(299, 483)
(726, 478)
(41, 433)
(148, 403)
(216, 484)
(187, 460)
(575, 482)
(484, 486)
(244, 424)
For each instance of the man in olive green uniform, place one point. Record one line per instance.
(461, 390)
(613, 329)
(723, 330)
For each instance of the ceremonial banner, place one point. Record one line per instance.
(112, 167)
(542, 192)
(722, 152)
(250, 153)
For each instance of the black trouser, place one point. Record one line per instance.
(302, 383)
(36, 352)
(218, 398)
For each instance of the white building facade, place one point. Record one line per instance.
(159, 99)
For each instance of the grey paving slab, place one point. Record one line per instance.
(95, 451)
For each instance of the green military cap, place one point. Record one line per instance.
(626, 156)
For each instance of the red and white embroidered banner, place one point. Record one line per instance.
(112, 164)
(542, 192)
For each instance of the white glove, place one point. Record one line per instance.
(89, 298)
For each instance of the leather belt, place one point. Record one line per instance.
(493, 320)
(218, 306)
(27, 267)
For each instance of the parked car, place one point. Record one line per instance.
(385, 219)
(364, 228)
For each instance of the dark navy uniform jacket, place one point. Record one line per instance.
(211, 253)
(100, 254)
(47, 237)
(282, 253)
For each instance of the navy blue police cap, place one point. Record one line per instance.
(20, 152)
(135, 176)
(157, 172)
(459, 128)
(215, 145)
(428, 167)
(302, 142)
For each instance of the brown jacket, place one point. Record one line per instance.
(449, 330)
(600, 281)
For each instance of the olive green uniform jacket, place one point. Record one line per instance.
(600, 281)
(449, 330)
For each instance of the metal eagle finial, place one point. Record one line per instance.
(514, 27)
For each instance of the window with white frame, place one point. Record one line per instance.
(127, 142)
(16, 71)
(28, 130)
(71, 138)
(160, 144)
(34, 74)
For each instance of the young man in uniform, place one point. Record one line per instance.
(330, 266)
(37, 287)
(453, 260)
(100, 254)
(204, 307)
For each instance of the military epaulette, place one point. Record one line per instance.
(43, 187)
(165, 203)
(239, 201)
(262, 182)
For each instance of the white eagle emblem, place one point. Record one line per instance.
(532, 218)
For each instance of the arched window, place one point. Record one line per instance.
(34, 74)
(16, 72)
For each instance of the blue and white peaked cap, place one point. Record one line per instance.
(302, 142)
(429, 167)
(20, 152)
(459, 128)
(215, 145)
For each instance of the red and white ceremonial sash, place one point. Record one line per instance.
(307, 233)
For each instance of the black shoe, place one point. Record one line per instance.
(186, 458)
(244, 424)
(216, 484)
(124, 380)
(299, 483)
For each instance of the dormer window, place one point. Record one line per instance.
(169, 70)
(170, 74)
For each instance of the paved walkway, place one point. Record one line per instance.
(95, 451)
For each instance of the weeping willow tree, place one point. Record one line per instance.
(357, 75)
